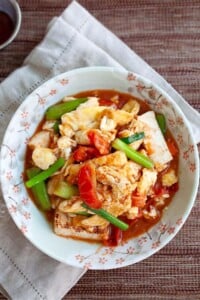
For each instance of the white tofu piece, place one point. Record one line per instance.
(154, 139)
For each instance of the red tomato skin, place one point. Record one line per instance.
(83, 153)
(87, 186)
(99, 142)
(115, 237)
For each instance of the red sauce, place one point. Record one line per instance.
(6, 27)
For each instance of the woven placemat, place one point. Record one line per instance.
(166, 34)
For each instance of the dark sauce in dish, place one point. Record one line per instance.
(6, 27)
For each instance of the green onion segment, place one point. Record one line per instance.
(43, 175)
(107, 216)
(161, 122)
(133, 154)
(56, 111)
(132, 138)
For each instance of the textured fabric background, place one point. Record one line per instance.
(166, 33)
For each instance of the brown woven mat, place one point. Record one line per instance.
(166, 33)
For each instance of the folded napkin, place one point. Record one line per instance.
(25, 272)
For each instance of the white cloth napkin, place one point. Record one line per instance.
(25, 272)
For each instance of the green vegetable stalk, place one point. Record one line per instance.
(39, 190)
(65, 190)
(56, 111)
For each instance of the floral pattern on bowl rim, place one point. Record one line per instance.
(32, 222)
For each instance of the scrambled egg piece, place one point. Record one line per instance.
(147, 180)
(169, 178)
(43, 157)
(132, 106)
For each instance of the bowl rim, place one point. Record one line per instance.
(146, 82)
(17, 9)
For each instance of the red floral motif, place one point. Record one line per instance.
(41, 100)
(16, 189)
(87, 266)
(191, 148)
(159, 105)
(80, 258)
(26, 141)
(162, 228)
(24, 228)
(26, 125)
(12, 209)
(24, 114)
(165, 102)
(108, 251)
(171, 122)
(192, 167)
(27, 215)
(171, 230)
(9, 175)
(120, 261)
(52, 92)
(180, 139)
(130, 77)
(25, 201)
(155, 245)
(152, 94)
(64, 81)
(179, 121)
(12, 153)
(185, 155)
(102, 260)
(130, 250)
(140, 87)
(179, 221)
(142, 240)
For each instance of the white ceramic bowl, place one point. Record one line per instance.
(31, 221)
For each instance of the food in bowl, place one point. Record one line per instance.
(103, 166)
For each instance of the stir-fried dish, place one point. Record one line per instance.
(102, 166)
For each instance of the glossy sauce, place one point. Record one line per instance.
(136, 226)
(6, 27)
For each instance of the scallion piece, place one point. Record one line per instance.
(133, 154)
(82, 213)
(161, 122)
(56, 126)
(43, 175)
(65, 190)
(39, 190)
(56, 111)
(132, 138)
(107, 216)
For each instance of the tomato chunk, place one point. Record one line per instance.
(99, 142)
(115, 237)
(138, 200)
(106, 102)
(172, 147)
(87, 186)
(83, 153)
